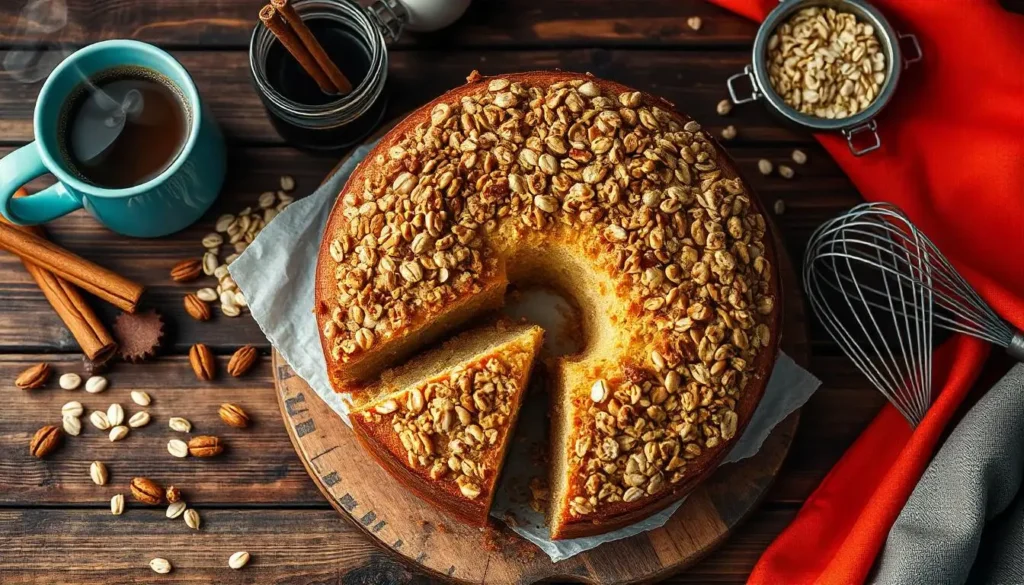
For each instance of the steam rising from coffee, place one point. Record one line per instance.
(42, 23)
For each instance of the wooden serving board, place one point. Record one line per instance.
(367, 495)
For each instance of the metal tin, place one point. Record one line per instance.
(852, 127)
(346, 120)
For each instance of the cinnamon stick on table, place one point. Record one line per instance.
(272, 19)
(70, 306)
(105, 284)
(338, 79)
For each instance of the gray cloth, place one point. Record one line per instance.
(964, 522)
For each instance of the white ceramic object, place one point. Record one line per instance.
(431, 15)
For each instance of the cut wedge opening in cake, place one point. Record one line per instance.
(442, 423)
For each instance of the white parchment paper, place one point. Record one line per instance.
(277, 273)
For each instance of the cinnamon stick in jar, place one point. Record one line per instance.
(105, 284)
(274, 22)
(288, 12)
(90, 333)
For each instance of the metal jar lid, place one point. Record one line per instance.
(861, 123)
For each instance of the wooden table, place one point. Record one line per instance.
(53, 520)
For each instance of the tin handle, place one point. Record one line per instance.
(391, 17)
(918, 54)
(851, 133)
(734, 96)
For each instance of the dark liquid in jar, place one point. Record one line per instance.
(290, 80)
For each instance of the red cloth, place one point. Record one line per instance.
(952, 157)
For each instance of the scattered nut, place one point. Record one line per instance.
(694, 22)
(180, 424)
(146, 490)
(192, 519)
(115, 414)
(196, 308)
(205, 446)
(141, 398)
(287, 183)
(70, 381)
(765, 166)
(45, 441)
(117, 505)
(175, 509)
(206, 294)
(73, 408)
(242, 361)
(202, 361)
(779, 207)
(173, 494)
(161, 566)
(177, 447)
(786, 172)
(98, 473)
(234, 416)
(238, 560)
(72, 425)
(187, 270)
(139, 419)
(33, 377)
(724, 107)
(729, 132)
(96, 384)
(98, 418)
(799, 157)
(117, 433)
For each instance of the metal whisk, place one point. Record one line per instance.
(879, 285)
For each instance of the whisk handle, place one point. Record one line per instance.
(1016, 347)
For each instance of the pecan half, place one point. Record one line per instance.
(146, 490)
(33, 377)
(234, 416)
(196, 308)
(202, 361)
(187, 270)
(45, 441)
(242, 361)
(205, 446)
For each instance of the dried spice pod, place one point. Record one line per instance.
(196, 308)
(187, 270)
(242, 361)
(233, 416)
(33, 377)
(45, 441)
(146, 490)
(202, 361)
(139, 335)
(205, 446)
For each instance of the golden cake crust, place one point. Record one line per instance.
(642, 335)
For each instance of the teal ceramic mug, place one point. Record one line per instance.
(169, 202)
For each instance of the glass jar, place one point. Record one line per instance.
(355, 38)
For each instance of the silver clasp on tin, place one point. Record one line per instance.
(853, 128)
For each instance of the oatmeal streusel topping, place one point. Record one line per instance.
(641, 192)
(454, 426)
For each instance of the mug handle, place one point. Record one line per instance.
(20, 167)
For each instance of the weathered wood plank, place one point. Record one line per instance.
(28, 324)
(260, 467)
(694, 81)
(229, 23)
(287, 547)
(257, 467)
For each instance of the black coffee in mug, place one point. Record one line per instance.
(123, 126)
